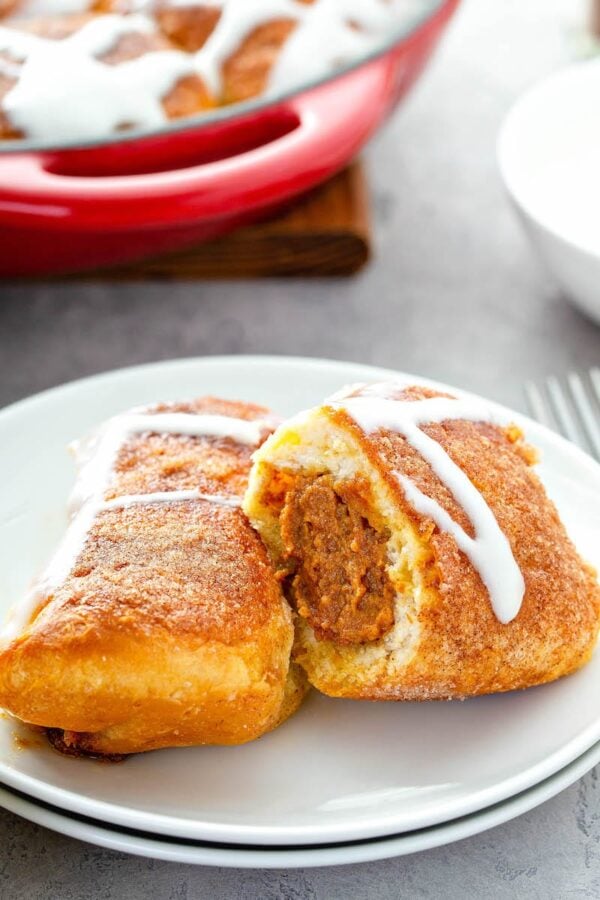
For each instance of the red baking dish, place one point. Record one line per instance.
(70, 208)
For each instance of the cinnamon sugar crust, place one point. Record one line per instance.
(446, 642)
(169, 462)
(171, 628)
(185, 569)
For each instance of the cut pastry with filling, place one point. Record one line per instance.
(159, 621)
(340, 584)
(419, 550)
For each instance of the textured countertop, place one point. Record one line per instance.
(454, 293)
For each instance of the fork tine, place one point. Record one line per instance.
(563, 413)
(585, 410)
(595, 380)
(538, 407)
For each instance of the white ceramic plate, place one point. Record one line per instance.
(339, 770)
(249, 857)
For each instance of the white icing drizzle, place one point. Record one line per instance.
(325, 40)
(129, 500)
(489, 551)
(65, 92)
(87, 499)
(327, 34)
(238, 19)
(101, 34)
(101, 452)
(369, 389)
(9, 70)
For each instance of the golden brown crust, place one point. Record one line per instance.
(471, 649)
(8, 7)
(462, 648)
(188, 27)
(185, 569)
(171, 628)
(246, 72)
(213, 465)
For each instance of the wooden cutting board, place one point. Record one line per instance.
(325, 233)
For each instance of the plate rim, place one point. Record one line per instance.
(302, 834)
(147, 845)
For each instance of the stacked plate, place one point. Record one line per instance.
(342, 781)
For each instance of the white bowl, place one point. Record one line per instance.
(549, 157)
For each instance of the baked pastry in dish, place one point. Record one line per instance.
(88, 75)
(159, 622)
(419, 550)
(98, 66)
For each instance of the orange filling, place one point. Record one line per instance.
(336, 561)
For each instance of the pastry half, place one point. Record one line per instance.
(159, 622)
(419, 550)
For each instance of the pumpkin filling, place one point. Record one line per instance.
(335, 561)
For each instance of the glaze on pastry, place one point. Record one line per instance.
(83, 76)
(419, 549)
(159, 621)
(74, 83)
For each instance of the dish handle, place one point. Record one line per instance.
(323, 129)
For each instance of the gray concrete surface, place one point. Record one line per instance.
(454, 293)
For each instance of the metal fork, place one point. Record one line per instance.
(571, 406)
